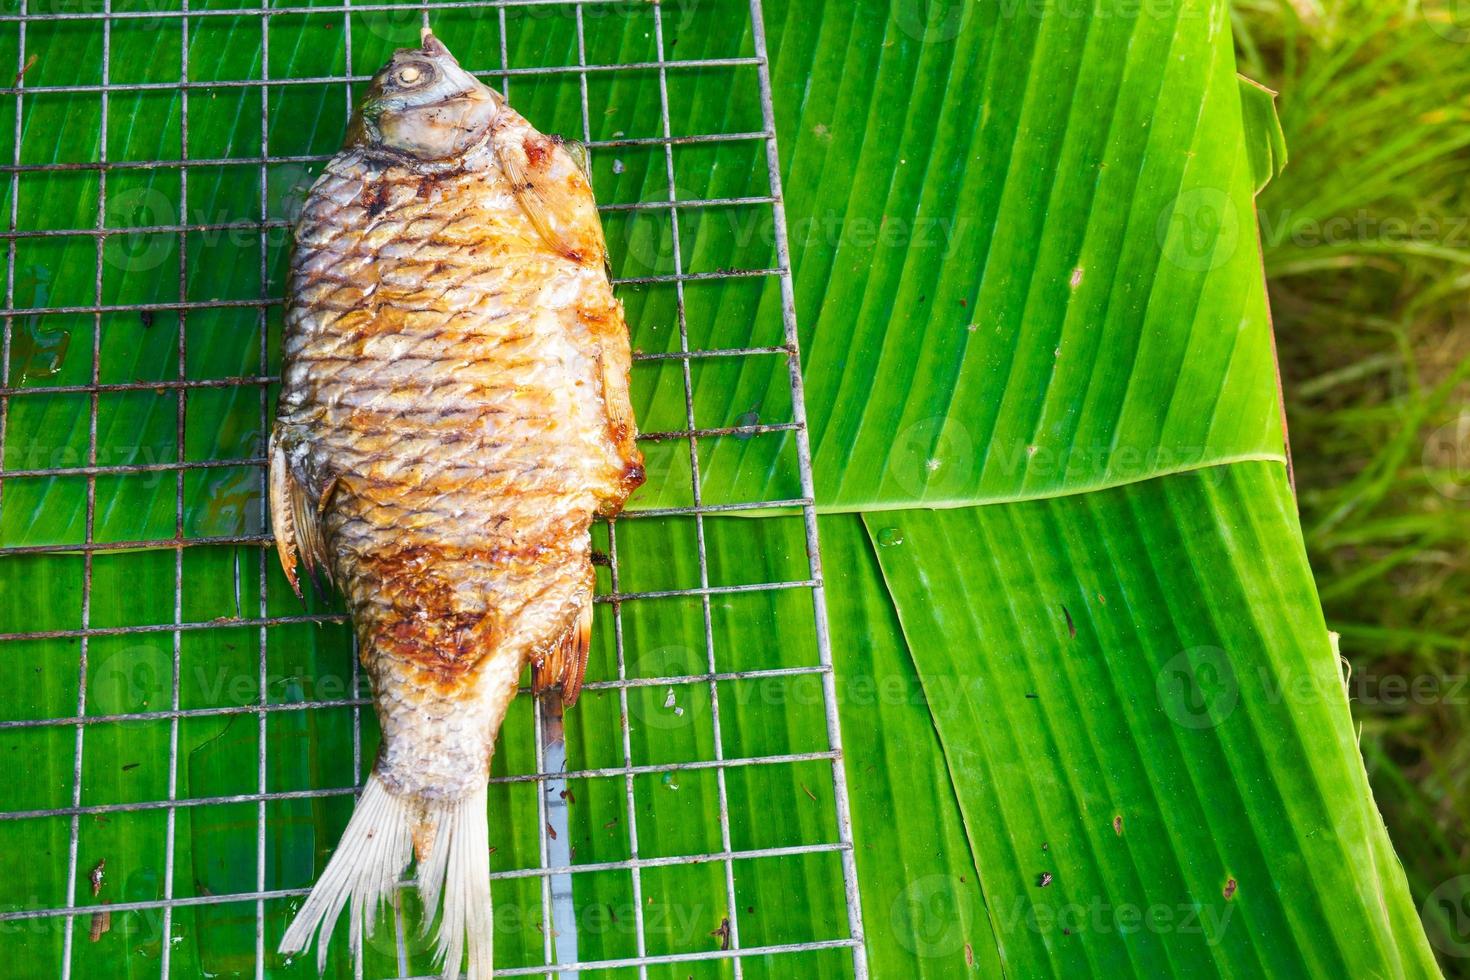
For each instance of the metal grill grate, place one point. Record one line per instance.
(557, 870)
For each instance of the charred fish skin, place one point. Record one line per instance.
(454, 410)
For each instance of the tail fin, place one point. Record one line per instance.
(374, 850)
(458, 868)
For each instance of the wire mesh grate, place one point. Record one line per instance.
(82, 791)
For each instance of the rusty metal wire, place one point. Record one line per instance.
(555, 871)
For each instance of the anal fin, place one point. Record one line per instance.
(566, 662)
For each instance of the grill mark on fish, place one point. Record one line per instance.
(326, 276)
(375, 198)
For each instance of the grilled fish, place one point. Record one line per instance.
(453, 412)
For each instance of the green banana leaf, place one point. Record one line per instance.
(1148, 731)
(1024, 268)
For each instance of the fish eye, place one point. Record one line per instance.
(413, 74)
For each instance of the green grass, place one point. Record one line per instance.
(1367, 250)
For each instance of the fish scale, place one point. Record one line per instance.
(454, 411)
(486, 453)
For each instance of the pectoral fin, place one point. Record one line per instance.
(554, 192)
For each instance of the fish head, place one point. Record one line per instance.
(424, 105)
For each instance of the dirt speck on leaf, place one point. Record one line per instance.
(30, 63)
